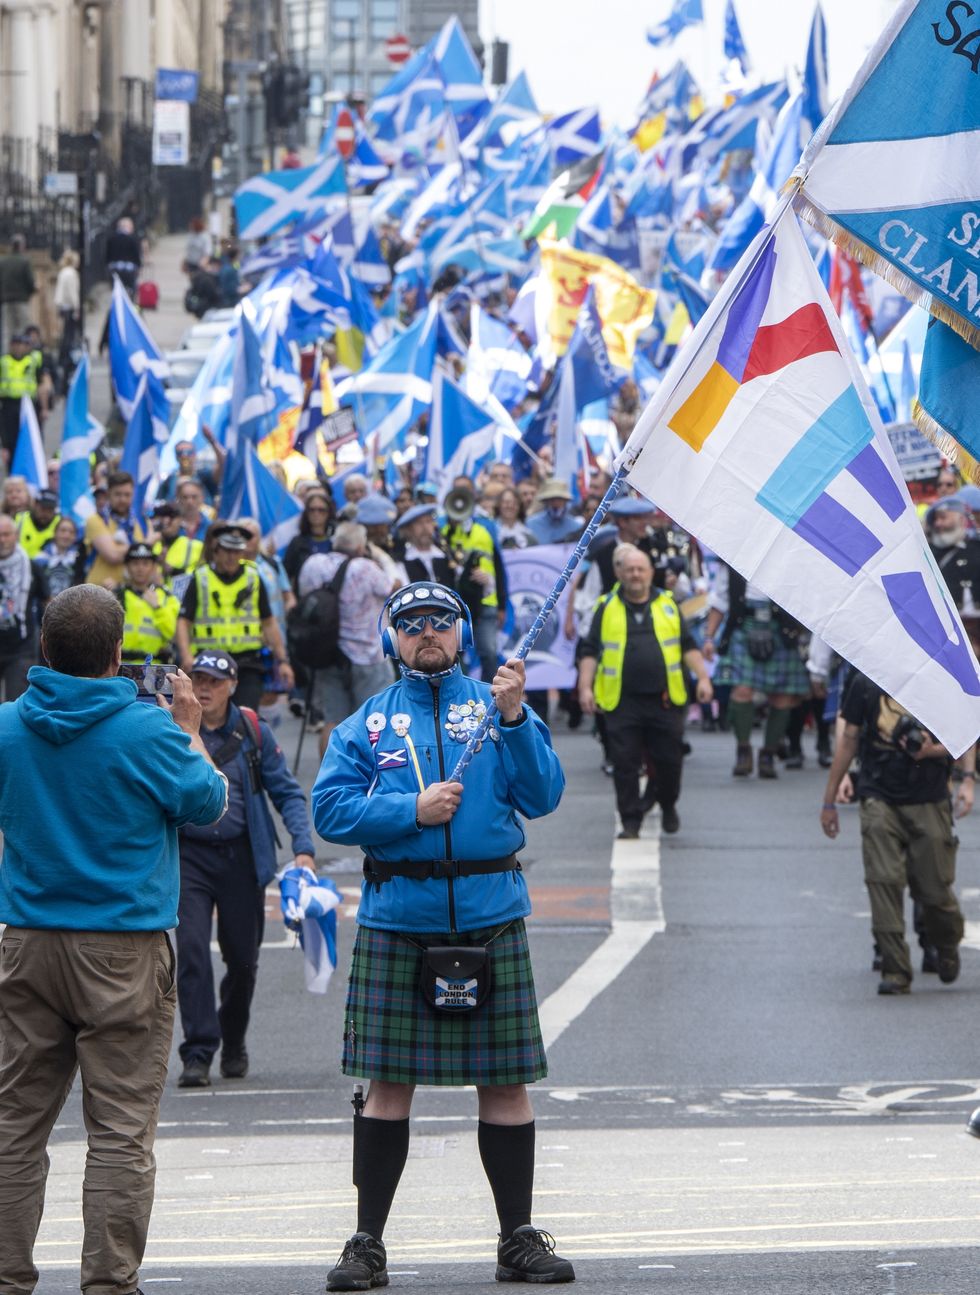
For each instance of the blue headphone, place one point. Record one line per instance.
(423, 596)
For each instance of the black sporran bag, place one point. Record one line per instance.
(455, 978)
(760, 643)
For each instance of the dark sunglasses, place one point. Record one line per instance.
(412, 625)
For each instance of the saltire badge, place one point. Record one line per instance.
(392, 759)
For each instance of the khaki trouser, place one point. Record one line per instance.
(911, 845)
(101, 1003)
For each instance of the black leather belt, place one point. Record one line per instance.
(378, 870)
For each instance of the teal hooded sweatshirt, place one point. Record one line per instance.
(93, 787)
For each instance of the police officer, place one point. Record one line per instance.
(631, 667)
(226, 606)
(179, 554)
(150, 609)
(37, 524)
(481, 579)
(441, 988)
(227, 866)
(19, 368)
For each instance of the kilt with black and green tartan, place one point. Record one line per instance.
(785, 671)
(392, 1033)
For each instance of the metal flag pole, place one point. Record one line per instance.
(547, 607)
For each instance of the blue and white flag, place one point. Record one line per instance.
(461, 74)
(370, 266)
(949, 388)
(29, 461)
(816, 96)
(723, 130)
(395, 388)
(684, 13)
(734, 44)
(496, 362)
(574, 135)
(515, 105)
(81, 434)
(284, 380)
(133, 353)
(586, 374)
(266, 202)
(253, 402)
(248, 489)
(365, 167)
(759, 203)
(309, 906)
(141, 451)
(462, 435)
(894, 168)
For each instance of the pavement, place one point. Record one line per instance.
(730, 1107)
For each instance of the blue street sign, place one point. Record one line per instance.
(172, 83)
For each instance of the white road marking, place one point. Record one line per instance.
(636, 904)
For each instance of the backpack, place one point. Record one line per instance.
(313, 625)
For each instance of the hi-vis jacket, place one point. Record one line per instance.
(666, 621)
(410, 736)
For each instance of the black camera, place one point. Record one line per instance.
(908, 735)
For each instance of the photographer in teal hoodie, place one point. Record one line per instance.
(94, 784)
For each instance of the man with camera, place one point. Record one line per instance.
(907, 836)
(480, 574)
(86, 966)
(226, 866)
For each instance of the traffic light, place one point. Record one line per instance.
(287, 94)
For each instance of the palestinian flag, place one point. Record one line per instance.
(563, 200)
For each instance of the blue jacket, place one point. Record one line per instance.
(286, 793)
(93, 787)
(366, 790)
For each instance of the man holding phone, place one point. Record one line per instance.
(87, 978)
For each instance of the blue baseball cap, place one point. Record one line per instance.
(375, 510)
(630, 507)
(218, 664)
(414, 513)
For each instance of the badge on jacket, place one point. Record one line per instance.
(392, 759)
(374, 724)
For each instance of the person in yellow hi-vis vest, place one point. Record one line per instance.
(37, 524)
(150, 609)
(632, 667)
(226, 608)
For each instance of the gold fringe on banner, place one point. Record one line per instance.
(884, 268)
(946, 443)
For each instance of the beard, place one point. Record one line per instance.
(948, 539)
(433, 658)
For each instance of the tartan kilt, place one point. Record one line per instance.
(784, 672)
(392, 1033)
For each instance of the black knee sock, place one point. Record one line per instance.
(380, 1152)
(507, 1152)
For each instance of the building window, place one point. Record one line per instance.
(384, 18)
(342, 14)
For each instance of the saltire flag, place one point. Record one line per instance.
(531, 182)
(253, 402)
(284, 380)
(586, 374)
(248, 489)
(481, 256)
(365, 167)
(515, 105)
(496, 362)
(816, 99)
(418, 119)
(266, 202)
(671, 94)
(309, 906)
(761, 200)
(734, 44)
(486, 211)
(141, 451)
(562, 202)
(726, 129)
(29, 460)
(347, 306)
(624, 307)
(949, 388)
(764, 442)
(133, 353)
(684, 13)
(370, 266)
(597, 230)
(81, 433)
(574, 136)
(462, 76)
(462, 434)
(893, 173)
(207, 403)
(395, 387)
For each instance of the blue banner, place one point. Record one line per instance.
(173, 83)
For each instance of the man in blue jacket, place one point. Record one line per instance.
(227, 867)
(93, 787)
(441, 989)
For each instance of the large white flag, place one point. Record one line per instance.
(764, 442)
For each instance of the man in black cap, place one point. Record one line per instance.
(226, 608)
(36, 525)
(416, 549)
(177, 551)
(150, 609)
(227, 866)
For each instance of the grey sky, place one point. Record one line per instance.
(577, 52)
